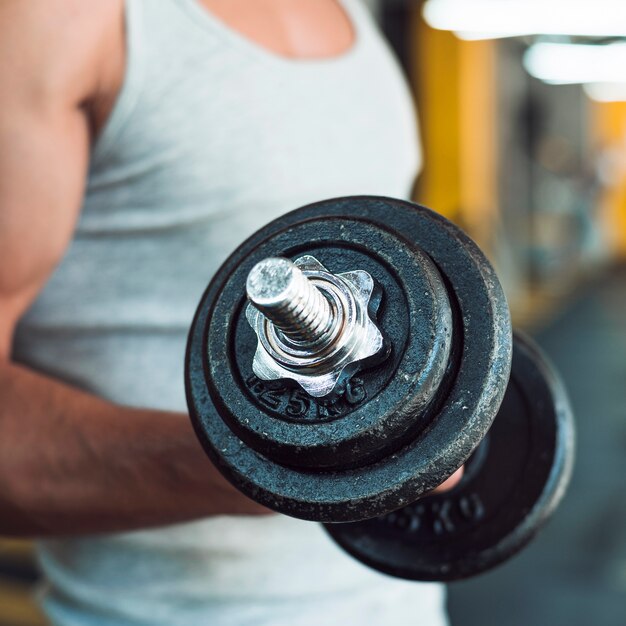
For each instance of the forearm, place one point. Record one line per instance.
(71, 463)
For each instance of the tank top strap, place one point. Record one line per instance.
(132, 83)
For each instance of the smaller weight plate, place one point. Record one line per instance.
(512, 484)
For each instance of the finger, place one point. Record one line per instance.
(450, 482)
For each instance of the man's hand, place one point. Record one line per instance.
(451, 482)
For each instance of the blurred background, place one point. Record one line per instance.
(522, 107)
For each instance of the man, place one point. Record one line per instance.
(141, 141)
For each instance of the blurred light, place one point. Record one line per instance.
(486, 19)
(606, 92)
(467, 36)
(562, 63)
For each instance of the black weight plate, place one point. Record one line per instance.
(416, 317)
(512, 484)
(411, 438)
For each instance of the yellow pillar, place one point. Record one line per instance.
(478, 138)
(609, 132)
(455, 89)
(435, 77)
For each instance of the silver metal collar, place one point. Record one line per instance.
(313, 326)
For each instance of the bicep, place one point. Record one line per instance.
(51, 59)
(43, 162)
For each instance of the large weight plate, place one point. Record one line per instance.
(394, 434)
(511, 486)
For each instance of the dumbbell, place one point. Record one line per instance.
(353, 354)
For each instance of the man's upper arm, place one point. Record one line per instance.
(44, 143)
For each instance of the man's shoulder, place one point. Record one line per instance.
(57, 47)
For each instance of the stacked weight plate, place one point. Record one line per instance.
(394, 429)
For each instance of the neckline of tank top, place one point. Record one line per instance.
(202, 16)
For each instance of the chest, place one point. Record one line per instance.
(298, 29)
(291, 29)
(209, 124)
(254, 131)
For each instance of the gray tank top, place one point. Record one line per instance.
(210, 138)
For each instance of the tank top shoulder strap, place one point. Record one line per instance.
(356, 11)
(133, 77)
(160, 41)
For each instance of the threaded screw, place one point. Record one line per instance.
(280, 291)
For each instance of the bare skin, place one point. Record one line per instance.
(71, 463)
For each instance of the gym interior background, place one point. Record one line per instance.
(526, 150)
